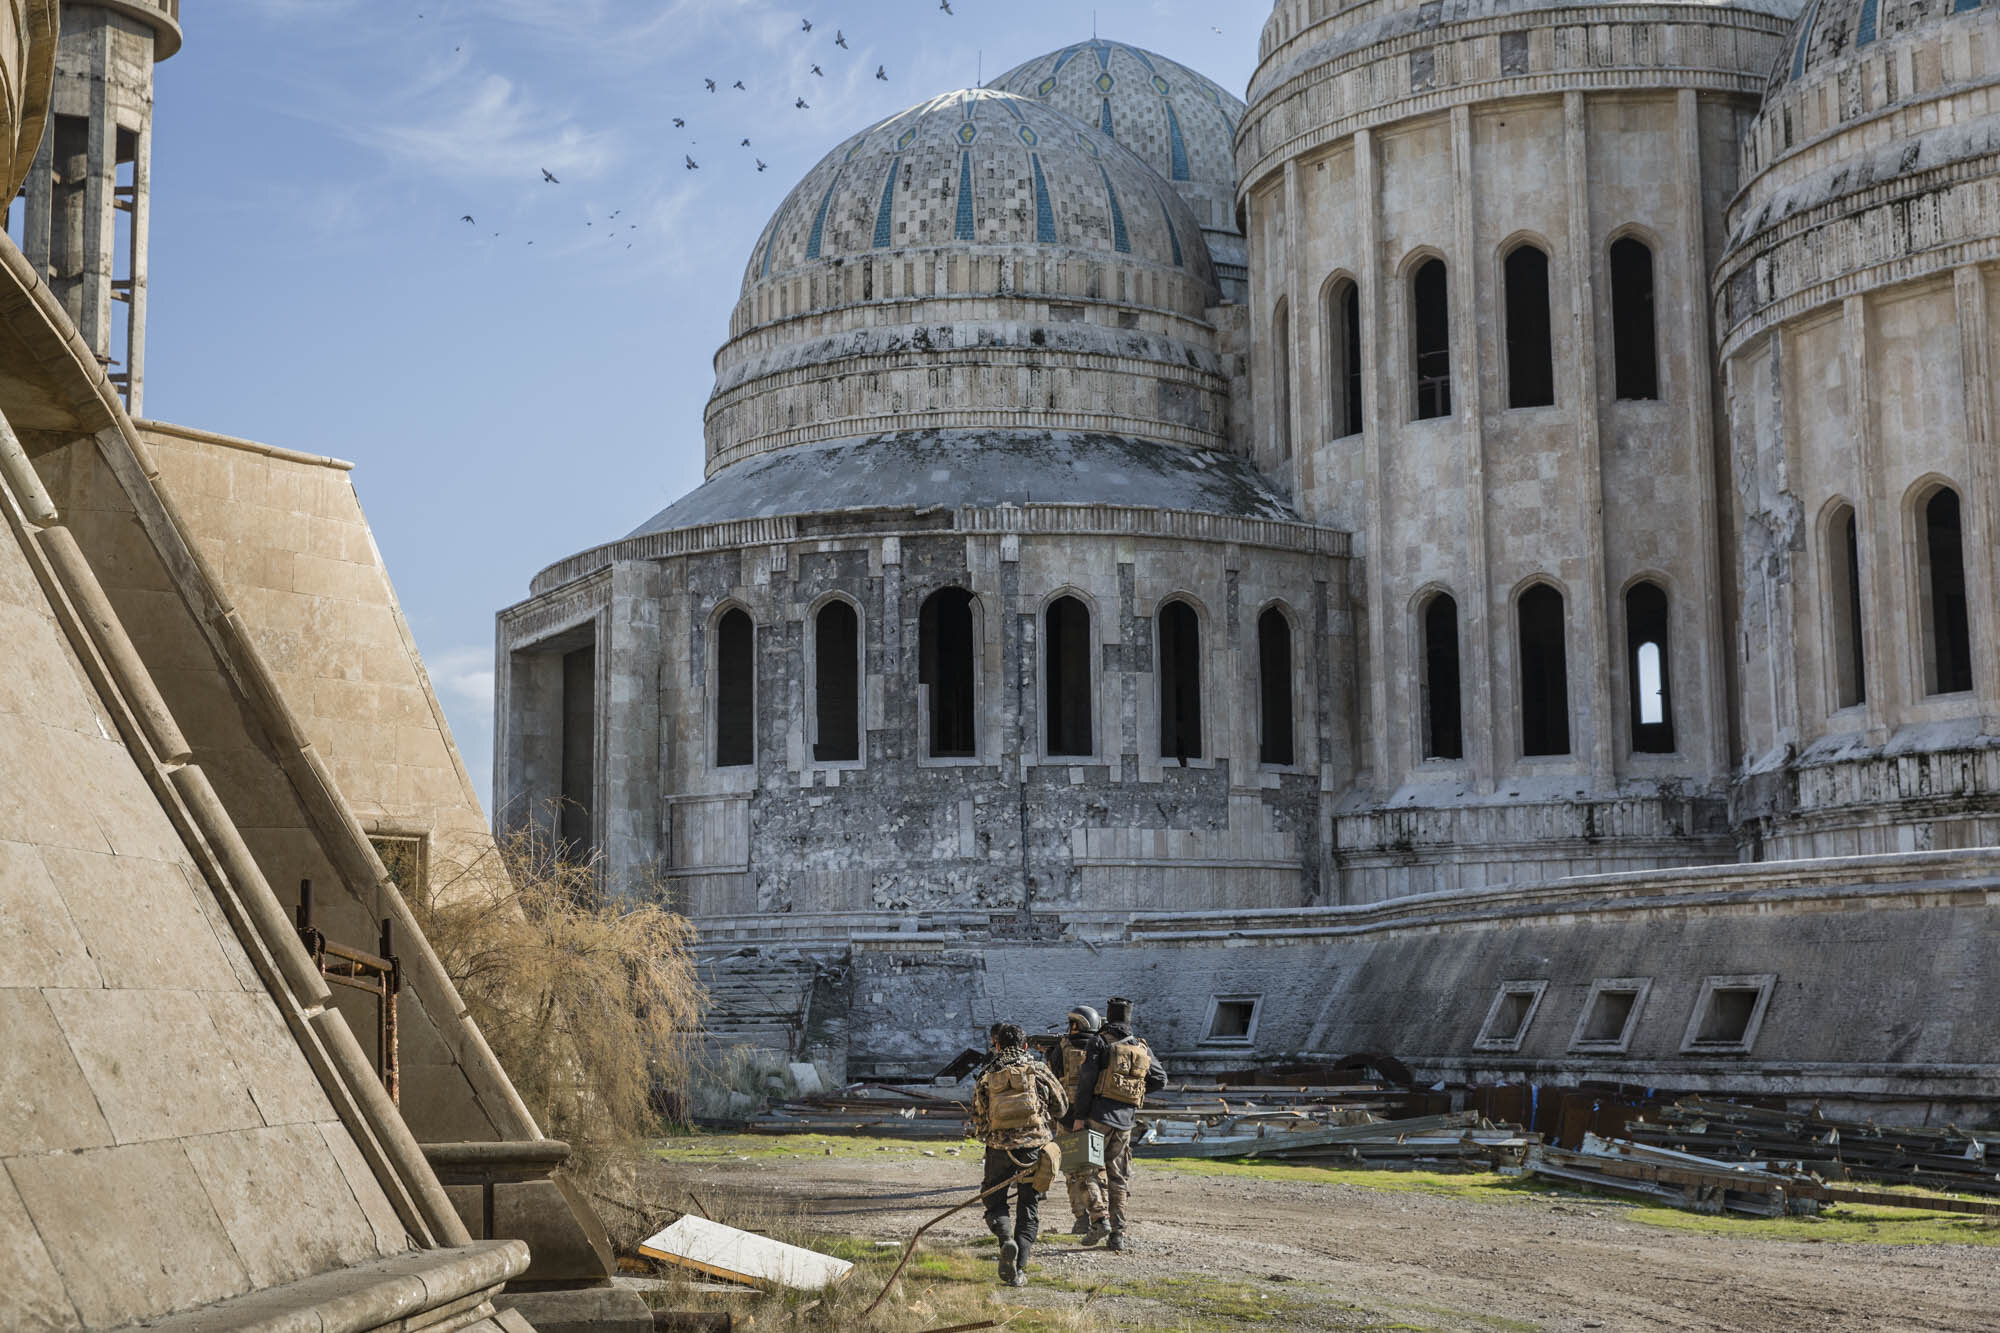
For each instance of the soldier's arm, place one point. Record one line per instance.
(979, 1110)
(1156, 1076)
(1086, 1082)
(1058, 1101)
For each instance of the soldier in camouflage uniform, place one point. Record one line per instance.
(1111, 1087)
(1016, 1107)
(1086, 1187)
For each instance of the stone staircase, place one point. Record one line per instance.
(757, 1000)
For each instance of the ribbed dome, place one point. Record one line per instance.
(1832, 30)
(977, 170)
(1182, 124)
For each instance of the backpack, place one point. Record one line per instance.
(1011, 1099)
(1073, 1057)
(1123, 1075)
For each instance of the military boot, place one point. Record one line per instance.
(1019, 1277)
(1080, 1225)
(1117, 1244)
(1003, 1231)
(1094, 1231)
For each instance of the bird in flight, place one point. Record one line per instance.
(819, 72)
(738, 86)
(760, 164)
(680, 124)
(805, 25)
(945, 5)
(692, 165)
(881, 74)
(710, 83)
(466, 218)
(746, 143)
(801, 105)
(550, 177)
(840, 39)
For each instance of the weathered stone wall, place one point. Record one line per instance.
(1379, 139)
(1011, 831)
(1856, 305)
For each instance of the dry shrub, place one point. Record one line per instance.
(590, 1005)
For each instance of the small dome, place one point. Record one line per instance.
(1833, 30)
(1182, 124)
(978, 170)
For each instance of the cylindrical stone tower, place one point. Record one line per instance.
(1479, 244)
(87, 193)
(1856, 314)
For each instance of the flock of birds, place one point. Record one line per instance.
(712, 85)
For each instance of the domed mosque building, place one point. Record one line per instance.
(1484, 554)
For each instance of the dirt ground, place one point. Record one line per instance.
(1253, 1249)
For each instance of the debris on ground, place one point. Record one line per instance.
(743, 1256)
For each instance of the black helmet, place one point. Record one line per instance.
(1086, 1015)
(1118, 1010)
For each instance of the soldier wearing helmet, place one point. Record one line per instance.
(1118, 1071)
(1086, 1187)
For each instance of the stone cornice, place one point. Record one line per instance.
(1600, 49)
(873, 525)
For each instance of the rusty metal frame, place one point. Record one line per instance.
(377, 974)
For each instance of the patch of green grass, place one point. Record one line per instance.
(1480, 1186)
(700, 1147)
(1843, 1224)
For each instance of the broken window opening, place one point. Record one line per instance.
(1947, 627)
(1430, 312)
(735, 689)
(1646, 664)
(948, 666)
(1531, 375)
(1509, 1016)
(1843, 555)
(1544, 673)
(1233, 1018)
(1728, 1013)
(1343, 325)
(1610, 1014)
(1635, 352)
(837, 684)
(1180, 682)
(1066, 686)
(1274, 678)
(1444, 733)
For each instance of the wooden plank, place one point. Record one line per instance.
(743, 1256)
(1270, 1144)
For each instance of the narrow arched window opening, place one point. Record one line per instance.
(1430, 310)
(575, 820)
(1843, 552)
(1531, 376)
(1281, 375)
(1544, 673)
(1947, 626)
(1274, 678)
(1634, 345)
(1180, 682)
(947, 669)
(1647, 666)
(837, 684)
(1343, 324)
(1066, 684)
(1444, 734)
(735, 690)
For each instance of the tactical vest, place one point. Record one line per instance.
(1123, 1076)
(1011, 1099)
(1073, 1057)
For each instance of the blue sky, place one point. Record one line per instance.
(508, 404)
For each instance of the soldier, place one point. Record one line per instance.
(1086, 1187)
(1118, 1072)
(1016, 1107)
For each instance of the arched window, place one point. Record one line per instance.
(837, 684)
(1947, 629)
(1274, 679)
(947, 667)
(1632, 338)
(1430, 320)
(1343, 329)
(1180, 682)
(1066, 677)
(1843, 604)
(1444, 733)
(1646, 666)
(1531, 375)
(1281, 377)
(1544, 673)
(735, 689)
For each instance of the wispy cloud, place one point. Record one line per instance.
(483, 127)
(465, 676)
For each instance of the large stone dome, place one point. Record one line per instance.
(980, 260)
(1181, 123)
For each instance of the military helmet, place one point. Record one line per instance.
(1118, 1010)
(1086, 1015)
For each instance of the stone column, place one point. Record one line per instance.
(1469, 389)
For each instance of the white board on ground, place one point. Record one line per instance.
(743, 1256)
(807, 1079)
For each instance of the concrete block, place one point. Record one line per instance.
(45, 1103)
(33, 1296)
(591, 1310)
(391, 1235)
(109, 1215)
(155, 1063)
(283, 1202)
(139, 919)
(39, 944)
(281, 1083)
